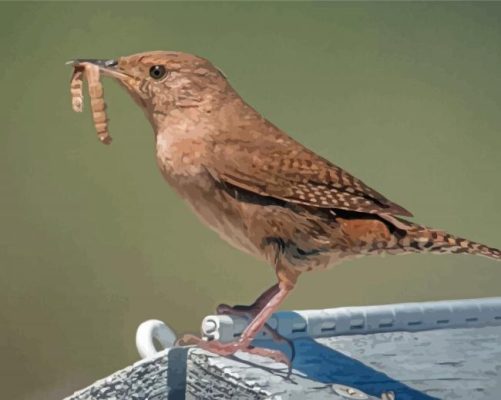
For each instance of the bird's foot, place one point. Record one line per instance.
(250, 312)
(188, 340)
(241, 311)
(228, 349)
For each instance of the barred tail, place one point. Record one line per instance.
(416, 238)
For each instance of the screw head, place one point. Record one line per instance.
(209, 326)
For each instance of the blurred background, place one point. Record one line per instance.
(406, 96)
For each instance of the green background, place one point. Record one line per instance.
(405, 96)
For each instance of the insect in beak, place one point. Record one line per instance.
(90, 70)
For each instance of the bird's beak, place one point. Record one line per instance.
(106, 67)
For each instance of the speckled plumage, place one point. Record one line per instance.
(270, 163)
(261, 190)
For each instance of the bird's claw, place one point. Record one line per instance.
(228, 349)
(250, 312)
(188, 340)
(275, 355)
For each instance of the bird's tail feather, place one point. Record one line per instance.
(411, 237)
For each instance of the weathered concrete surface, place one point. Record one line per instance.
(195, 374)
(446, 364)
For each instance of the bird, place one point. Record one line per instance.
(258, 188)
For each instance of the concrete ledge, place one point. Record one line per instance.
(441, 363)
(182, 373)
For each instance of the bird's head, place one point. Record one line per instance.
(160, 81)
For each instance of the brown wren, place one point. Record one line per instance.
(258, 188)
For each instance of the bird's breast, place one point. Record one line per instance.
(182, 166)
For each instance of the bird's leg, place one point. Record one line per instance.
(287, 280)
(251, 311)
(245, 340)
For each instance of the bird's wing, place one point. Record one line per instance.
(275, 165)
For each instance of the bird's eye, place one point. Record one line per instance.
(157, 71)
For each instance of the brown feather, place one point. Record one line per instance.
(257, 156)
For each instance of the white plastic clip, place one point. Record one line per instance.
(152, 330)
